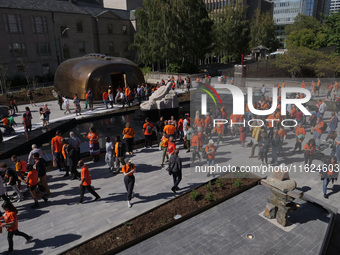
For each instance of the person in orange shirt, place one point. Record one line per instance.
(129, 179)
(309, 149)
(85, 182)
(169, 130)
(11, 224)
(32, 181)
(293, 112)
(180, 127)
(105, 98)
(234, 119)
(199, 122)
(171, 146)
(164, 147)
(283, 84)
(93, 137)
(200, 137)
(219, 129)
(208, 125)
(210, 149)
(283, 134)
(128, 96)
(56, 148)
(317, 86)
(319, 130)
(147, 127)
(300, 134)
(336, 85)
(303, 84)
(329, 90)
(129, 135)
(195, 146)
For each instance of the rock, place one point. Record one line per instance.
(281, 217)
(283, 186)
(281, 175)
(270, 211)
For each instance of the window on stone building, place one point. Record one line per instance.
(111, 47)
(39, 25)
(17, 49)
(13, 23)
(66, 52)
(43, 48)
(79, 26)
(45, 69)
(109, 29)
(81, 47)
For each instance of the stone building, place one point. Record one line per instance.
(37, 35)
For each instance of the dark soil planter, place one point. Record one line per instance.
(160, 218)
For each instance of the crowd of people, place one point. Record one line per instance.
(191, 134)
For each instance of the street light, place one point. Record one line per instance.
(59, 40)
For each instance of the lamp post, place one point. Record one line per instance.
(59, 40)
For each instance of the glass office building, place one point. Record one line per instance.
(335, 6)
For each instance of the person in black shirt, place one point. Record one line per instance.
(12, 178)
(40, 166)
(159, 127)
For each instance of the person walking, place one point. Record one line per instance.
(309, 149)
(160, 127)
(43, 116)
(175, 169)
(60, 101)
(195, 146)
(11, 224)
(30, 159)
(75, 142)
(128, 136)
(111, 97)
(255, 138)
(56, 147)
(76, 103)
(164, 147)
(93, 137)
(30, 97)
(300, 134)
(188, 136)
(275, 146)
(40, 166)
(120, 150)
(264, 148)
(72, 159)
(32, 181)
(129, 179)
(333, 124)
(319, 130)
(12, 179)
(67, 105)
(147, 127)
(109, 154)
(85, 182)
(330, 176)
(105, 99)
(210, 149)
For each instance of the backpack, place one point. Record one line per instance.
(23, 166)
(148, 128)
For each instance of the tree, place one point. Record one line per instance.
(231, 31)
(172, 31)
(262, 31)
(332, 28)
(5, 84)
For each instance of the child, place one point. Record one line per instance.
(109, 154)
(11, 224)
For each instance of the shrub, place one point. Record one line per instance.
(237, 184)
(195, 195)
(219, 183)
(210, 197)
(209, 186)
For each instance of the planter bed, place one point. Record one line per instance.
(161, 218)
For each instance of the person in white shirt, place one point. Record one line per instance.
(122, 98)
(322, 108)
(109, 153)
(263, 90)
(67, 105)
(30, 159)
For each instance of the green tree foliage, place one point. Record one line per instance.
(231, 31)
(172, 31)
(262, 31)
(332, 29)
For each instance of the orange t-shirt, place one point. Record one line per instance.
(194, 140)
(5, 121)
(330, 87)
(303, 85)
(169, 129)
(56, 143)
(129, 132)
(293, 113)
(32, 178)
(319, 126)
(199, 122)
(282, 133)
(200, 138)
(336, 85)
(208, 121)
(307, 147)
(105, 95)
(11, 217)
(85, 173)
(164, 142)
(126, 169)
(212, 149)
(171, 147)
(63, 151)
(300, 131)
(219, 128)
(93, 137)
(145, 128)
(270, 122)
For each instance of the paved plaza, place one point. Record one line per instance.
(61, 224)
